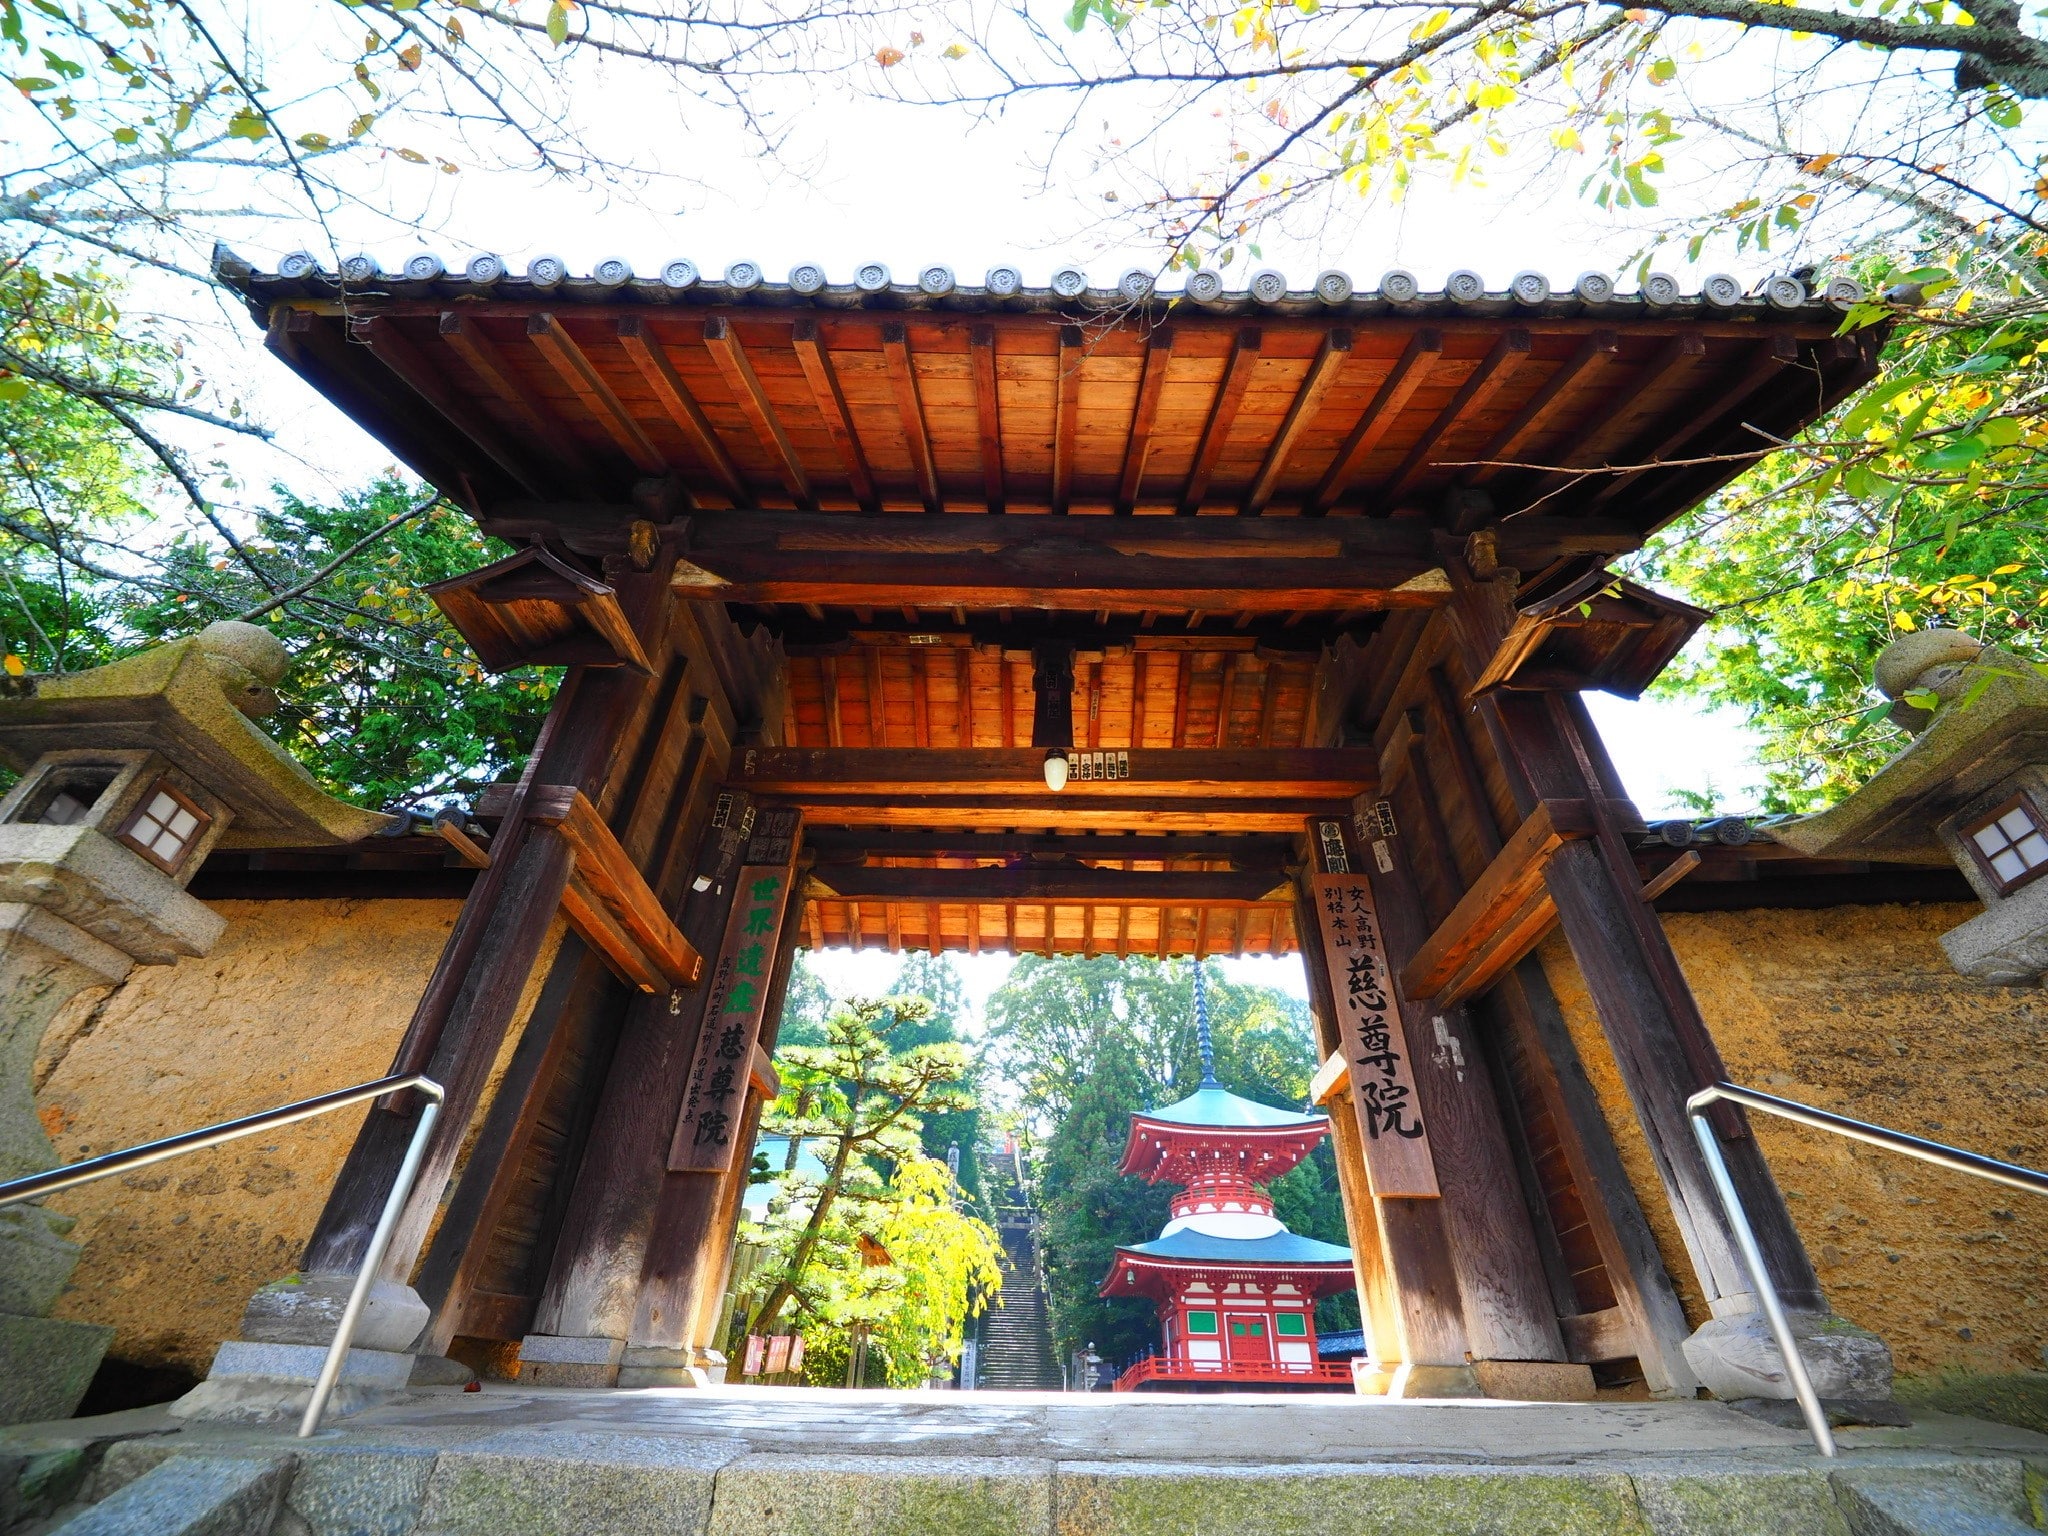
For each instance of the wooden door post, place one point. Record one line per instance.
(1407, 1280)
(469, 1002)
(712, 1138)
(593, 1278)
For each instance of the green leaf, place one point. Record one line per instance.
(126, 136)
(558, 23)
(2001, 431)
(1922, 698)
(1960, 453)
(248, 124)
(13, 388)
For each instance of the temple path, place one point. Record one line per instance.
(509, 1461)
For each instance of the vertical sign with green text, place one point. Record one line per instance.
(715, 1093)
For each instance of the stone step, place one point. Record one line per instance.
(194, 1496)
(785, 1462)
(1878, 1506)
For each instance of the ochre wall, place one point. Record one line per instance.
(298, 998)
(1856, 1009)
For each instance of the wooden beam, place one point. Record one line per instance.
(1237, 376)
(1297, 773)
(617, 890)
(839, 845)
(816, 361)
(1488, 930)
(1332, 1078)
(981, 356)
(1494, 370)
(559, 349)
(1410, 369)
(638, 342)
(981, 561)
(724, 345)
(1138, 446)
(1583, 370)
(910, 410)
(1683, 355)
(1763, 366)
(1066, 414)
(994, 812)
(466, 339)
(425, 380)
(1094, 887)
(1322, 373)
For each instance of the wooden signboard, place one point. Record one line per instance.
(715, 1093)
(1396, 1142)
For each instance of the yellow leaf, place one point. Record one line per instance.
(888, 56)
(1818, 164)
(15, 665)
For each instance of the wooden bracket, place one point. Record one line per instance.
(761, 1076)
(1503, 916)
(1509, 911)
(608, 902)
(1331, 1079)
(531, 608)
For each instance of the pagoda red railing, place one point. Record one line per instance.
(1165, 1368)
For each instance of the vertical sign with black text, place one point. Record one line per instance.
(1396, 1142)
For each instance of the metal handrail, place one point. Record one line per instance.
(1935, 1152)
(36, 1184)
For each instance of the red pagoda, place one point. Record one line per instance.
(1236, 1290)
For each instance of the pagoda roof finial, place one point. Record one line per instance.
(1204, 1041)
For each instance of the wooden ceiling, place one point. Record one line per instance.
(910, 484)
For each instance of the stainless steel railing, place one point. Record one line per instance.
(36, 1184)
(1934, 1152)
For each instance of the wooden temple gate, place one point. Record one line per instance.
(1305, 590)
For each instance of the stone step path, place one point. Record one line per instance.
(1016, 1351)
(789, 1462)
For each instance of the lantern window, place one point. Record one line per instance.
(1291, 1325)
(1201, 1322)
(164, 827)
(2010, 843)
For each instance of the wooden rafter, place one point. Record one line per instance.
(554, 343)
(1301, 414)
(1402, 380)
(1681, 356)
(910, 411)
(1765, 365)
(1494, 371)
(1095, 887)
(1237, 377)
(426, 380)
(1583, 370)
(981, 353)
(1144, 415)
(466, 339)
(638, 342)
(726, 349)
(830, 399)
(1066, 414)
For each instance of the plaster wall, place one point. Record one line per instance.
(1856, 1009)
(298, 998)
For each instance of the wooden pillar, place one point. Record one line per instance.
(707, 1162)
(1509, 1312)
(1647, 1011)
(462, 1017)
(1408, 1283)
(594, 1275)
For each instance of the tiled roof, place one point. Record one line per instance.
(1068, 290)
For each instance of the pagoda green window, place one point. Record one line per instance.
(1201, 1322)
(1291, 1325)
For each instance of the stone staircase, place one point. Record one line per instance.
(1016, 1352)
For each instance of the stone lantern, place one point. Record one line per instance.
(1970, 788)
(131, 773)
